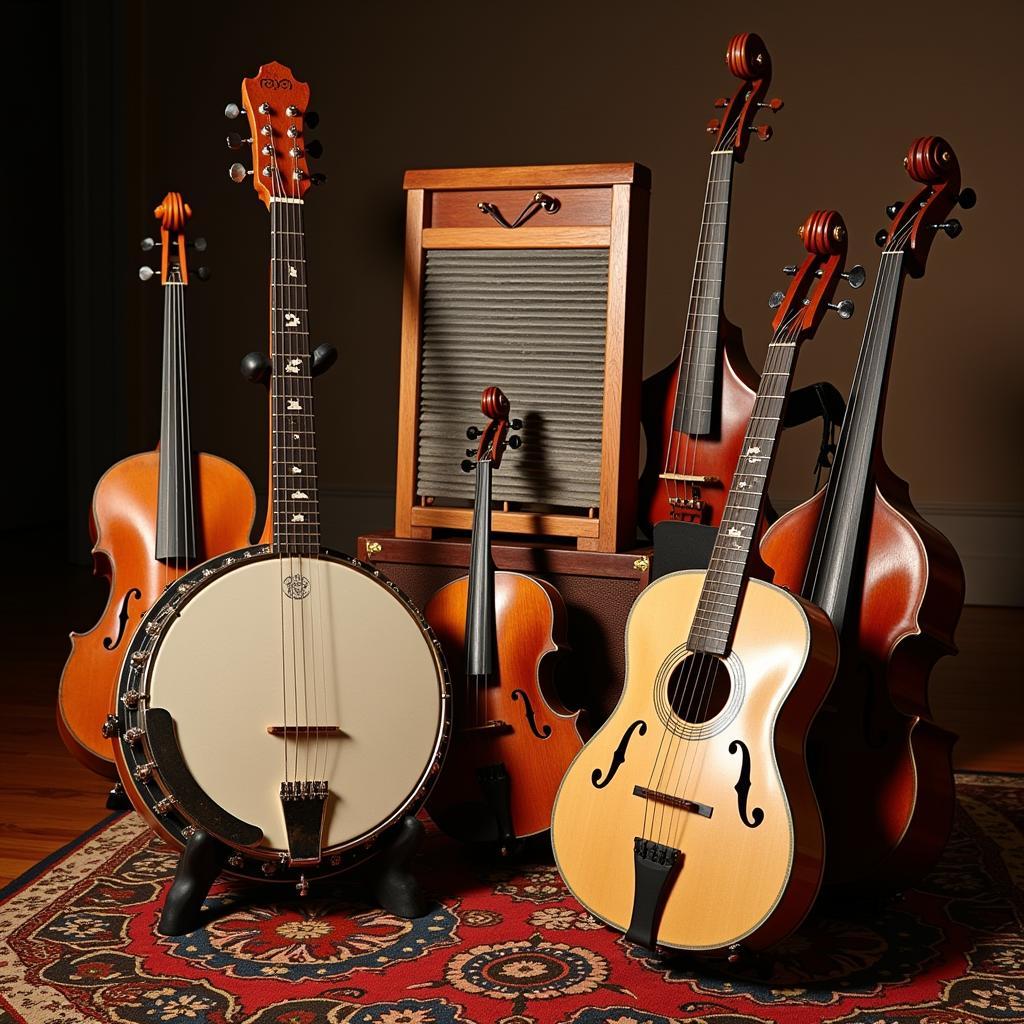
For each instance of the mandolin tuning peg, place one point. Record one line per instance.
(516, 425)
(967, 198)
(515, 442)
(148, 244)
(844, 308)
(762, 131)
(774, 105)
(472, 433)
(712, 126)
(881, 237)
(145, 273)
(855, 276)
(775, 299)
(893, 208)
(721, 103)
(467, 465)
(203, 273)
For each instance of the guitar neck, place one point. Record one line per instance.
(715, 617)
(296, 506)
(480, 612)
(175, 524)
(698, 360)
(841, 532)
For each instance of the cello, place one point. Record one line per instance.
(512, 739)
(892, 585)
(154, 516)
(688, 821)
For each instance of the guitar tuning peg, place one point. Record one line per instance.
(145, 273)
(516, 425)
(721, 103)
(855, 276)
(203, 273)
(515, 442)
(775, 299)
(881, 237)
(472, 433)
(967, 198)
(199, 244)
(238, 173)
(893, 208)
(315, 149)
(790, 269)
(232, 110)
(235, 141)
(844, 308)
(712, 126)
(763, 131)
(774, 105)
(951, 227)
(148, 244)
(467, 465)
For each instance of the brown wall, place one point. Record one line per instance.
(402, 85)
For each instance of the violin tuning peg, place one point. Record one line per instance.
(312, 118)
(203, 273)
(855, 276)
(774, 105)
(516, 425)
(844, 308)
(951, 227)
(775, 299)
(238, 173)
(235, 141)
(881, 237)
(515, 442)
(790, 269)
(145, 273)
(467, 465)
(472, 433)
(712, 126)
(471, 452)
(967, 198)
(721, 103)
(199, 244)
(315, 149)
(232, 110)
(762, 131)
(148, 244)
(893, 208)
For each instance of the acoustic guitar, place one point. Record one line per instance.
(512, 738)
(892, 586)
(154, 516)
(688, 821)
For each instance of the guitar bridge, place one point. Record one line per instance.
(305, 808)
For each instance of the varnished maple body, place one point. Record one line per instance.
(882, 768)
(123, 521)
(736, 883)
(529, 626)
(716, 454)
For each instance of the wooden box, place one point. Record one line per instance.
(598, 588)
(551, 311)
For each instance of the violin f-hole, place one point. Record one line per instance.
(742, 786)
(619, 757)
(110, 643)
(541, 734)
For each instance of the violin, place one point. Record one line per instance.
(512, 739)
(892, 585)
(688, 821)
(695, 410)
(154, 516)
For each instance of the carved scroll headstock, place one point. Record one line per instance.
(801, 308)
(172, 213)
(494, 438)
(932, 162)
(277, 105)
(747, 58)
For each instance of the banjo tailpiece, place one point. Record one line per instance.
(305, 808)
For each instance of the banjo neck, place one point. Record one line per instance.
(293, 462)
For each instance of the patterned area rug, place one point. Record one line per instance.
(503, 944)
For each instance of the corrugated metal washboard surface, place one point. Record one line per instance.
(532, 322)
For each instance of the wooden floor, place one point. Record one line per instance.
(47, 798)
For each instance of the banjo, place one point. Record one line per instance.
(286, 700)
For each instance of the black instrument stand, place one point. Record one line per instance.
(394, 885)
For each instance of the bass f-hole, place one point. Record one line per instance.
(531, 719)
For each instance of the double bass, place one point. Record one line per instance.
(890, 582)
(154, 516)
(688, 821)
(512, 739)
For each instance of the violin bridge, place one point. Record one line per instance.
(305, 808)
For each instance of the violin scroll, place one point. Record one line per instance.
(747, 58)
(494, 438)
(173, 212)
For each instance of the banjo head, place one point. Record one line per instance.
(263, 670)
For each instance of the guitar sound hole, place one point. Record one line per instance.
(699, 688)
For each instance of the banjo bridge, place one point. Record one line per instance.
(305, 807)
(303, 732)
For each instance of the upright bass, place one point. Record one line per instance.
(891, 584)
(154, 516)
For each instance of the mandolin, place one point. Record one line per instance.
(695, 410)
(688, 821)
(512, 738)
(892, 586)
(154, 516)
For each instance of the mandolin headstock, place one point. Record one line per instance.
(801, 308)
(931, 162)
(495, 437)
(276, 104)
(747, 58)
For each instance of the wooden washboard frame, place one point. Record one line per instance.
(601, 207)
